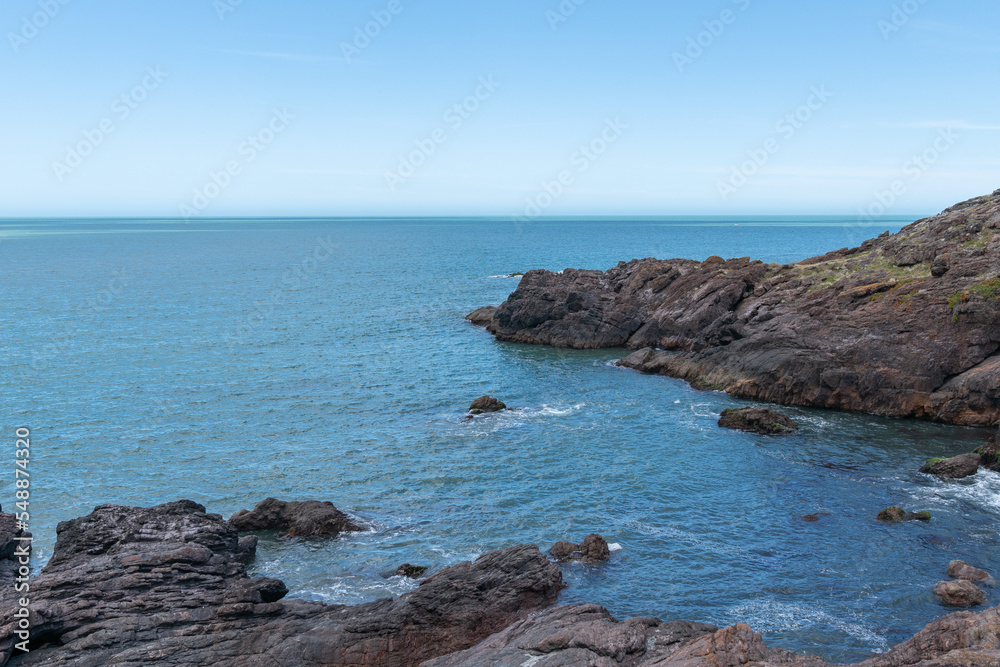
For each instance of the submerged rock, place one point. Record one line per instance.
(812, 518)
(960, 593)
(896, 515)
(961, 570)
(593, 549)
(757, 420)
(411, 571)
(904, 325)
(311, 518)
(140, 587)
(485, 404)
(958, 467)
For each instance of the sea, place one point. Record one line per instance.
(227, 361)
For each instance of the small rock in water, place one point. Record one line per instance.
(958, 467)
(306, 519)
(486, 404)
(961, 570)
(593, 549)
(757, 420)
(959, 593)
(897, 514)
(811, 518)
(411, 571)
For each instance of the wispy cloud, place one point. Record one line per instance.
(276, 55)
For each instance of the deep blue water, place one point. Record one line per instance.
(159, 360)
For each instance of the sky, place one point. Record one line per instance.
(216, 108)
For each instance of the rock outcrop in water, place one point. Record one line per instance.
(593, 549)
(131, 587)
(906, 325)
(164, 586)
(957, 467)
(756, 420)
(486, 404)
(311, 518)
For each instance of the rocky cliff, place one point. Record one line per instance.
(906, 325)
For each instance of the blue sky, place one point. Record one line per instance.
(257, 108)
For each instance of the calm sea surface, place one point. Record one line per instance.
(228, 361)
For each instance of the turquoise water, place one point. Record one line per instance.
(228, 361)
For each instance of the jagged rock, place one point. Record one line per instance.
(593, 549)
(960, 593)
(896, 515)
(961, 570)
(485, 404)
(863, 329)
(958, 467)
(757, 420)
(295, 519)
(588, 635)
(12, 540)
(135, 587)
(482, 317)
(246, 549)
(411, 571)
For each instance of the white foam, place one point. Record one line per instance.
(773, 616)
(614, 546)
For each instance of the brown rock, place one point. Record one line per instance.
(958, 467)
(896, 515)
(756, 420)
(592, 550)
(960, 570)
(959, 593)
(411, 571)
(295, 519)
(482, 317)
(486, 404)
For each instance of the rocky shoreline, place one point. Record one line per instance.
(906, 325)
(168, 585)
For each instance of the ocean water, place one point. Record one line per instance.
(226, 361)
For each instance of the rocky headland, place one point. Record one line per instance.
(168, 585)
(906, 325)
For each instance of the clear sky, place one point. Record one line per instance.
(129, 107)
